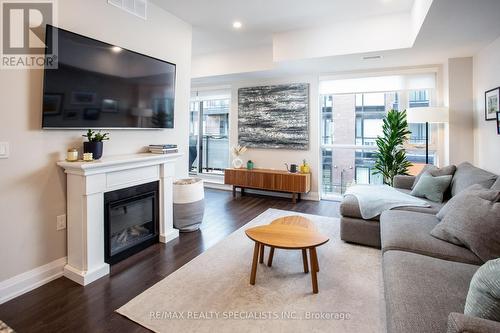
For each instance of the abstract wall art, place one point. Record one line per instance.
(274, 117)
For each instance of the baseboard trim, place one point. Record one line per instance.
(32, 279)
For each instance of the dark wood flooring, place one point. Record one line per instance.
(64, 306)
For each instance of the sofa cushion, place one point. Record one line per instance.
(483, 299)
(432, 188)
(433, 209)
(349, 207)
(421, 291)
(467, 175)
(359, 231)
(435, 172)
(410, 232)
(455, 202)
(473, 221)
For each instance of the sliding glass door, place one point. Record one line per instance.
(209, 134)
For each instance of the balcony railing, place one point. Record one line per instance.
(215, 155)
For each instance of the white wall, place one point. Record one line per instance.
(275, 158)
(233, 61)
(32, 187)
(460, 99)
(486, 77)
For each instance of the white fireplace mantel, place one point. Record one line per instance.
(86, 184)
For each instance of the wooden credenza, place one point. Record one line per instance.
(268, 180)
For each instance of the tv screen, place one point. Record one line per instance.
(99, 85)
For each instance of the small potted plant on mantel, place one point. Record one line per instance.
(94, 144)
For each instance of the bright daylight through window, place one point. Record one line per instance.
(209, 132)
(352, 113)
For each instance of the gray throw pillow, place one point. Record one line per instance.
(483, 298)
(455, 202)
(467, 175)
(432, 188)
(473, 221)
(435, 171)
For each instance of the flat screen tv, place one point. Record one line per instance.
(99, 85)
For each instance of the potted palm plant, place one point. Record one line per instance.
(94, 144)
(391, 156)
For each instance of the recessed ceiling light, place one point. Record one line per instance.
(237, 25)
(116, 49)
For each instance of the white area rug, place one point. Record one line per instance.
(212, 293)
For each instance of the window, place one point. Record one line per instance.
(352, 113)
(209, 151)
(416, 149)
(370, 112)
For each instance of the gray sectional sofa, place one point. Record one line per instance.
(426, 280)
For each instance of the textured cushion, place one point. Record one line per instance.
(421, 291)
(359, 231)
(473, 221)
(483, 299)
(460, 323)
(410, 232)
(467, 175)
(435, 171)
(471, 190)
(432, 188)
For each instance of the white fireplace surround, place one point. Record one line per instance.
(86, 184)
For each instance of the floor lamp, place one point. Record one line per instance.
(427, 115)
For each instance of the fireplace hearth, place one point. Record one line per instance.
(130, 221)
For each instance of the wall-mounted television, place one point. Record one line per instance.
(99, 85)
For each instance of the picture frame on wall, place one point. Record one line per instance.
(492, 103)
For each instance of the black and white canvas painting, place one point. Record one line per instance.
(274, 117)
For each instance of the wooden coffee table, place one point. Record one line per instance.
(288, 233)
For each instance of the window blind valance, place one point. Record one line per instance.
(378, 84)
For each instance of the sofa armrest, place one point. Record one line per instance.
(404, 182)
(461, 323)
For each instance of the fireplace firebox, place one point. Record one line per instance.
(131, 219)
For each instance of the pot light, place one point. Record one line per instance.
(237, 25)
(116, 49)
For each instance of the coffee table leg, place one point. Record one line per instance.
(254, 263)
(314, 277)
(304, 260)
(270, 259)
(261, 256)
(317, 262)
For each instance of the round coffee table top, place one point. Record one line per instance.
(289, 232)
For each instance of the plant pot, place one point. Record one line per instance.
(93, 147)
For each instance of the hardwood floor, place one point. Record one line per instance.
(64, 306)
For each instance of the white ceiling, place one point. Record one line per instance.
(212, 19)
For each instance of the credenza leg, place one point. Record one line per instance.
(242, 191)
(294, 197)
(300, 197)
(234, 191)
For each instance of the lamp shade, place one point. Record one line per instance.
(427, 115)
